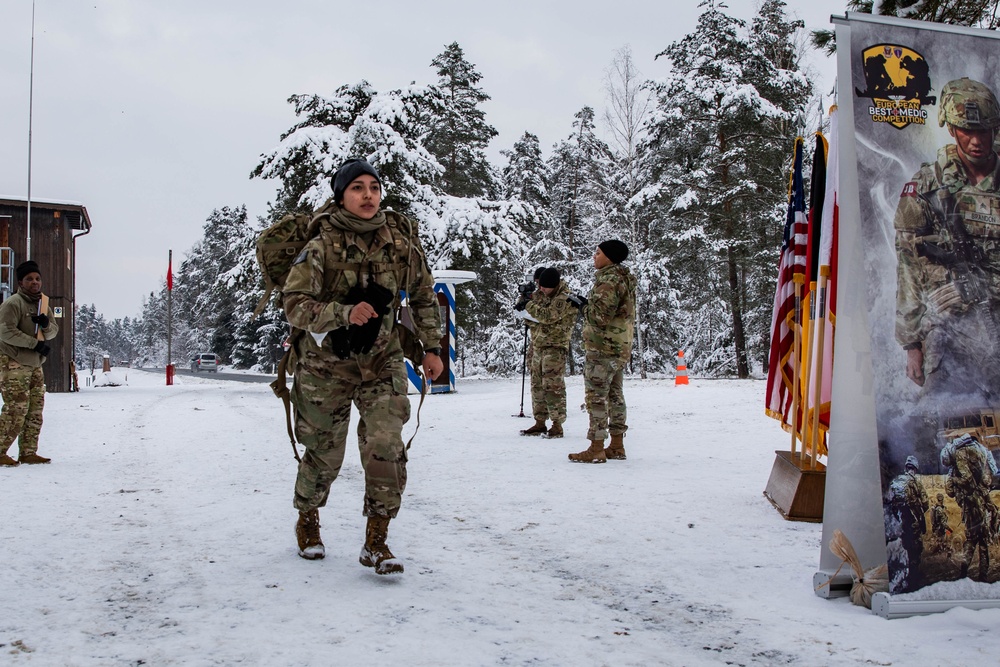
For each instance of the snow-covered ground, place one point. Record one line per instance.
(162, 534)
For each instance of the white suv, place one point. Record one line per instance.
(205, 362)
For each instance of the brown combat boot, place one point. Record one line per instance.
(8, 461)
(32, 458)
(616, 450)
(537, 429)
(593, 454)
(555, 431)
(307, 533)
(375, 553)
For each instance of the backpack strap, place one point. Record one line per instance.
(280, 388)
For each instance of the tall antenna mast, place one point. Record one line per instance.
(31, 97)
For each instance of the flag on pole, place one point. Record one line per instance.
(811, 293)
(782, 364)
(817, 193)
(821, 364)
(170, 271)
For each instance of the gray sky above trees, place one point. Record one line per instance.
(154, 113)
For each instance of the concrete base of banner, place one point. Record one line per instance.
(886, 607)
(833, 584)
(795, 488)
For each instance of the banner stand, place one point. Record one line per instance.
(854, 493)
(885, 606)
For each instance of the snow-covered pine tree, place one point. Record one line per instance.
(389, 129)
(526, 177)
(778, 44)
(581, 188)
(714, 139)
(581, 167)
(257, 341)
(458, 133)
(91, 336)
(974, 13)
(629, 103)
(151, 330)
(357, 121)
(205, 300)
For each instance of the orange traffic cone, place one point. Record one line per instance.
(681, 377)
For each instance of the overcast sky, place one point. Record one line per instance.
(153, 113)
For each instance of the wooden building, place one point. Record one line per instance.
(55, 226)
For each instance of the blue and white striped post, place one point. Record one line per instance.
(444, 287)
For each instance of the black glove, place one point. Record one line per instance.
(42, 348)
(363, 336)
(578, 300)
(520, 305)
(41, 320)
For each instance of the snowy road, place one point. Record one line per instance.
(162, 535)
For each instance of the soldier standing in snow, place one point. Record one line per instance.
(608, 329)
(22, 353)
(550, 307)
(344, 281)
(524, 294)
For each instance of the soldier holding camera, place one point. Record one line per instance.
(554, 315)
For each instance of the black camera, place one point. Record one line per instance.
(527, 289)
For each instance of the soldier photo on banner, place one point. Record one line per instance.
(926, 119)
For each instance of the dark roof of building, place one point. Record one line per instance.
(81, 221)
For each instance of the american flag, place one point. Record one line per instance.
(786, 317)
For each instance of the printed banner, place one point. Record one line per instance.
(926, 114)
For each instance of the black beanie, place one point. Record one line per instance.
(549, 278)
(25, 268)
(347, 173)
(538, 273)
(614, 250)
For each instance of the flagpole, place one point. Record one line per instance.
(170, 291)
(796, 355)
(817, 388)
(31, 99)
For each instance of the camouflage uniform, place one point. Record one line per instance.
(22, 383)
(948, 244)
(940, 527)
(909, 500)
(550, 345)
(971, 471)
(608, 329)
(316, 301)
(939, 519)
(534, 370)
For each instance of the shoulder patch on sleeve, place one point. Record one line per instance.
(909, 190)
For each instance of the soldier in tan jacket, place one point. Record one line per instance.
(22, 352)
